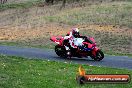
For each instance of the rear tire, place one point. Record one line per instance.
(99, 56)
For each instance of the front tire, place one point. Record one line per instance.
(99, 56)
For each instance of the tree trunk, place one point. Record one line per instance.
(63, 4)
(3, 1)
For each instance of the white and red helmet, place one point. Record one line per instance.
(75, 32)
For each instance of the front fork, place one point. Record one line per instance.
(94, 51)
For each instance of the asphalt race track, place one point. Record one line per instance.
(108, 61)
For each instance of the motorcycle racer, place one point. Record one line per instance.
(71, 38)
(75, 45)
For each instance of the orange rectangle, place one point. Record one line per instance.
(103, 78)
(108, 78)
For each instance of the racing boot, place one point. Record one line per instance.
(68, 53)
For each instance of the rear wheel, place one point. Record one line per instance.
(99, 56)
(60, 51)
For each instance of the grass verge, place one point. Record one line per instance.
(17, 72)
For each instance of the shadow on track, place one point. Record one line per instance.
(76, 59)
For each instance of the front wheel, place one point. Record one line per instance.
(99, 56)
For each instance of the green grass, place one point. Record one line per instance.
(17, 72)
(10, 43)
(23, 44)
(116, 53)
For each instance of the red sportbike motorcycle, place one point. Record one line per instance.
(88, 49)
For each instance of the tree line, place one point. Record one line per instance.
(47, 1)
(3, 1)
(63, 2)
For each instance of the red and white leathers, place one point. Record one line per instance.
(72, 40)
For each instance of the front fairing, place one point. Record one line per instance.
(57, 40)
